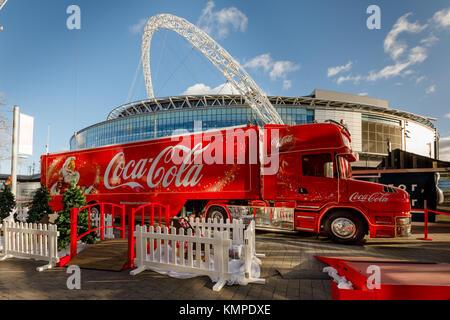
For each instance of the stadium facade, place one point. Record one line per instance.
(375, 126)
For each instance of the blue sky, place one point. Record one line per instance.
(71, 79)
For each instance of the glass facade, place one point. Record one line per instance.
(161, 124)
(377, 131)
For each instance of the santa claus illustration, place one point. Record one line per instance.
(67, 175)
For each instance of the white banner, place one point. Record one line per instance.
(26, 123)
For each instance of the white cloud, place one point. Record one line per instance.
(431, 89)
(197, 89)
(355, 79)
(403, 58)
(281, 68)
(277, 69)
(332, 71)
(387, 72)
(408, 72)
(420, 79)
(430, 40)
(392, 45)
(137, 28)
(363, 94)
(220, 22)
(262, 61)
(442, 18)
(447, 115)
(415, 56)
(200, 88)
(287, 84)
(444, 149)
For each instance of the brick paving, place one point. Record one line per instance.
(299, 277)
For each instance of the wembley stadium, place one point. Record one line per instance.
(375, 127)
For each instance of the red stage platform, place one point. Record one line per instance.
(400, 279)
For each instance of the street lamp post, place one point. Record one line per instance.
(14, 150)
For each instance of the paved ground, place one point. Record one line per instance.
(290, 269)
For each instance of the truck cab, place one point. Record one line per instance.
(313, 190)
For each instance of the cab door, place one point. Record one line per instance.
(318, 186)
(287, 177)
(318, 181)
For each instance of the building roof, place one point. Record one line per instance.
(349, 98)
(319, 98)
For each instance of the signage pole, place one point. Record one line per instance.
(14, 151)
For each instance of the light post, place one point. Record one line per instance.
(14, 150)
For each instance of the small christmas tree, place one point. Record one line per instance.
(7, 201)
(73, 197)
(40, 205)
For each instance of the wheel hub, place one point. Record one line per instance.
(216, 215)
(343, 228)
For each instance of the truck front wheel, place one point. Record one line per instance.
(345, 227)
(216, 212)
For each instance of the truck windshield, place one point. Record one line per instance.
(318, 165)
(345, 170)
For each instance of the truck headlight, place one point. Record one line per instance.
(403, 220)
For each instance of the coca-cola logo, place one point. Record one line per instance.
(185, 171)
(373, 197)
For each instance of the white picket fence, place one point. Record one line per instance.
(205, 252)
(240, 236)
(27, 240)
(250, 252)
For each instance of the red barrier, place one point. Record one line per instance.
(425, 232)
(444, 213)
(74, 223)
(399, 279)
(426, 210)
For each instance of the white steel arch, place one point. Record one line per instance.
(2, 3)
(223, 61)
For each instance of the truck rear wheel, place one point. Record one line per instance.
(345, 227)
(216, 212)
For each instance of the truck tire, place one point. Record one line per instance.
(345, 227)
(217, 212)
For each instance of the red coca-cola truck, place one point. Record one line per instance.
(286, 178)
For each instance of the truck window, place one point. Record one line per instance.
(344, 168)
(318, 165)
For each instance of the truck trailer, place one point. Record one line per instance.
(286, 178)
